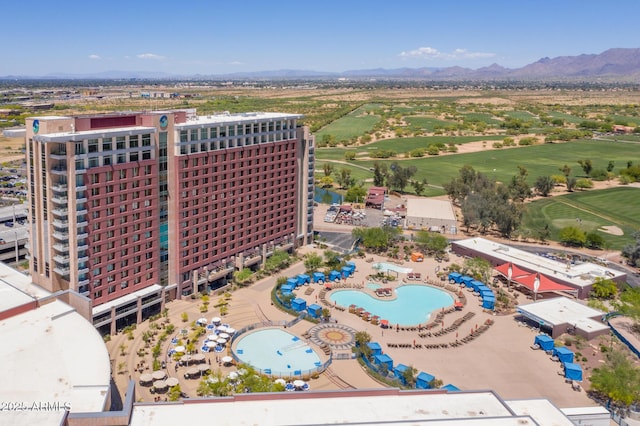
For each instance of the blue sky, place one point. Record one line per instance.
(218, 37)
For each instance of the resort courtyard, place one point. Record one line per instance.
(468, 347)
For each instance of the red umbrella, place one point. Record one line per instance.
(384, 323)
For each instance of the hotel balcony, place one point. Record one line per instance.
(61, 248)
(58, 155)
(58, 223)
(60, 236)
(59, 170)
(60, 212)
(61, 260)
(60, 270)
(61, 200)
(60, 187)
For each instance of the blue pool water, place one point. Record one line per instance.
(386, 267)
(412, 306)
(275, 350)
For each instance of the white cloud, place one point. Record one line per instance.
(150, 56)
(430, 53)
(94, 57)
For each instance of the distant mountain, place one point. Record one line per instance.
(614, 64)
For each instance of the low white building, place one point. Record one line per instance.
(428, 214)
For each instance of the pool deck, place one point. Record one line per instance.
(499, 358)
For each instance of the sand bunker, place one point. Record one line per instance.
(613, 230)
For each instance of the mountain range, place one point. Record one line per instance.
(621, 64)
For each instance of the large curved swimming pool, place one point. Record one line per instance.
(413, 304)
(276, 352)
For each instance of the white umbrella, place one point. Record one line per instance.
(222, 328)
(212, 337)
(231, 330)
(171, 382)
(146, 378)
(281, 381)
(211, 343)
(227, 359)
(233, 375)
(159, 384)
(298, 383)
(221, 341)
(179, 348)
(158, 375)
(223, 335)
(215, 320)
(202, 320)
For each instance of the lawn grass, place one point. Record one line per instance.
(566, 117)
(429, 124)
(589, 211)
(484, 117)
(353, 125)
(522, 115)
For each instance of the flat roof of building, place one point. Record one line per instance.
(562, 310)
(541, 410)
(580, 275)
(427, 207)
(362, 407)
(127, 298)
(51, 353)
(235, 118)
(17, 289)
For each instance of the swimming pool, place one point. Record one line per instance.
(386, 267)
(413, 304)
(274, 351)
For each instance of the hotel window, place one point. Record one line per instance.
(214, 132)
(94, 162)
(121, 142)
(134, 156)
(184, 136)
(93, 145)
(204, 133)
(146, 139)
(106, 144)
(122, 158)
(232, 130)
(194, 134)
(106, 161)
(133, 141)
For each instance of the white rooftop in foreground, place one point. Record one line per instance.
(581, 275)
(562, 310)
(49, 354)
(542, 411)
(362, 407)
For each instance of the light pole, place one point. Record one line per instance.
(17, 251)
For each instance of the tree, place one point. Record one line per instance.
(566, 170)
(478, 268)
(419, 186)
(327, 168)
(632, 251)
(571, 183)
(409, 376)
(618, 379)
(325, 182)
(400, 176)
(376, 239)
(610, 166)
(362, 348)
(594, 240)
(350, 155)
(432, 242)
(544, 185)
(380, 173)
(604, 288)
(587, 166)
(344, 178)
(519, 188)
(355, 194)
(312, 261)
(331, 258)
(572, 236)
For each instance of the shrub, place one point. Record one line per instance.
(497, 145)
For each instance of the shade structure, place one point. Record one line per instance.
(179, 349)
(227, 359)
(222, 328)
(171, 381)
(384, 323)
(516, 272)
(319, 277)
(215, 320)
(399, 371)
(545, 342)
(545, 284)
(221, 341)
(185, 358)
(286, 289)
(384, 359)
(223, 335)
(230, 330)
(203, 367)
(211, 343)
(293, 282)
(198, 357)
(455, 277)
(375, 347)
(158, 375)
(423, 380)
(212, 336)
(146, 378)
(202, 321)
(233, 375)
(298, 383)
(314, 310)
(160, 384)
(192, 371)
(281, 381)
(489, 302)
(450, 388)
(335, 275)
(563, 354)
(303, 279)
(466, 280)
(572, 371)
(298, 304)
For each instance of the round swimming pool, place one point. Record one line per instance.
(276, 352)
(413, 304)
